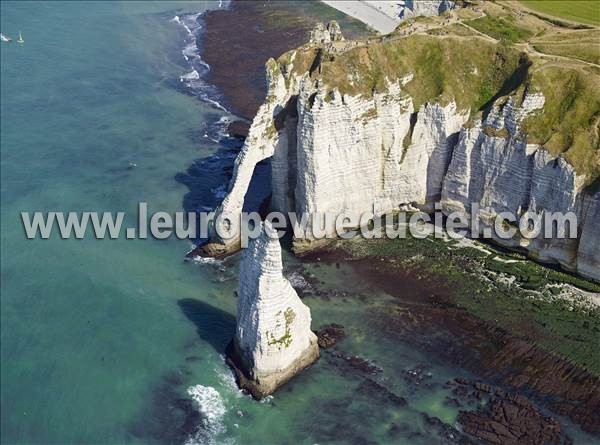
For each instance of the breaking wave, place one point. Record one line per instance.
(206, 260)
(193, 81)
(227, 378)
(212, 408)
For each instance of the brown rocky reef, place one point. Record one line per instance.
(238, 41)
(510, 419)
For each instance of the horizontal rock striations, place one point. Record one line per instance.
(273, 340)
(494, 167)
(348, 130)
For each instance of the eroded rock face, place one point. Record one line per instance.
(273, 340)
(353, 152)
(333, 153)
(494, 167)
(326, 33)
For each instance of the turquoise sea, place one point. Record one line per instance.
(121, 341)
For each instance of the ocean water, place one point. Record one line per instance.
(121, 341)
(90, 327)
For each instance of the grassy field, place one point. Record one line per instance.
(501, 28)
(583, 11)
(583, 44)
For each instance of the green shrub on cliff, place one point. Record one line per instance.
(501, 28)
(474, 72)
(569, 123)
(468, 71)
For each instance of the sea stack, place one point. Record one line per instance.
(273, 340)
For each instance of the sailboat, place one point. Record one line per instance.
(20, 39)
(5, 38)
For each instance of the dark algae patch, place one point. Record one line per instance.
(238, 41)
(537, 343)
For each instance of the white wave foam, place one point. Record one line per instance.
(214, 103)
(210, 404)
(190, 22)
(267, 400)
(191, 53)
(206, 260)
(192, 75)
(218, 131)
(227, 379)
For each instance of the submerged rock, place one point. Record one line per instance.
(512, 420)
(329, 335)
(505, 418)
(273, 340)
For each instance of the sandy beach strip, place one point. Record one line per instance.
(366, 13)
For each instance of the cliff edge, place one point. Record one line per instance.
(425, 116)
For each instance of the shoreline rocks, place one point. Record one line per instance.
(511, 419)
(329, 335)
(273, 340)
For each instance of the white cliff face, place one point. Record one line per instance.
(588, 253)
(346, 147)
(414, 8)
(492, 166)
(496, 143)
(273, 335)
(353, 153)
(334, 153)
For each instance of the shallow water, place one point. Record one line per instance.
(120, 341)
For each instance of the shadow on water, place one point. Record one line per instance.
(208, 180)
(213, 325)
(171, 417)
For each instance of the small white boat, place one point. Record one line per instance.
(20, 39)
(5, 38)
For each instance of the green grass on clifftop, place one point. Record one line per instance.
(583, 11)
(470, 71)
(569, 123)
(501, 28)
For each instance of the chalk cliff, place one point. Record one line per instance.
(414, 8)
(494, 167)
(273, 340)
(349, 129)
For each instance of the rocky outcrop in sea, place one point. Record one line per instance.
(273, 340)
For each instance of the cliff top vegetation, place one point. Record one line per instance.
(476, 62)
